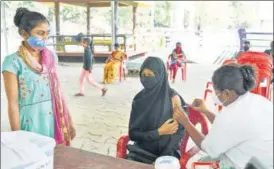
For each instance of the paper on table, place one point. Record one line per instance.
(17, 150)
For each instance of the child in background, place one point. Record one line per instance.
(87, 68)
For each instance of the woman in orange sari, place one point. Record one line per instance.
(112, 64)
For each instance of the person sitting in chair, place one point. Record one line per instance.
(112, 63)
(151, 126)
(246, 48)
(270, 51)
(175, 60)
(244, 127)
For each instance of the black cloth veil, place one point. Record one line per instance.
(150, 109)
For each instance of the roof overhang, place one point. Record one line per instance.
(91, 3)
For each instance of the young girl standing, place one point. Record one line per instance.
(87, 68)
(35, 100)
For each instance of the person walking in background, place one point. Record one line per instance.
(87, 69)
(35, 100)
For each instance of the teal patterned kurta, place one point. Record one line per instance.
(35, 106)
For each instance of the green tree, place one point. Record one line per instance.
(27, 4)
(240, 16)
(162, 13)
(73, 13)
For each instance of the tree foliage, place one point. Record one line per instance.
(162, 13)
(225, 14)
(229, 14)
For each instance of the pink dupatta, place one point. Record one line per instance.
(48, 65)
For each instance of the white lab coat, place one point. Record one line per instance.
(242, 130)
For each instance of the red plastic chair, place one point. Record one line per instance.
(122, 147)
(212, 164)
(263, 65)
(230, 61)
(195, 117)
(183, 70)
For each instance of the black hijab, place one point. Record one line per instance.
(152, 106)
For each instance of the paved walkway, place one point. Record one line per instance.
(100, 121)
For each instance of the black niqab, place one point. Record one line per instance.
(152, 107)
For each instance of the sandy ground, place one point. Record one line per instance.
(100, 121)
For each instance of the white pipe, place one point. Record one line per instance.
(114, 22)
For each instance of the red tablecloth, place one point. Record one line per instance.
(72, 158)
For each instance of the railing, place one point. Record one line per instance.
(59, 42)
(258, 40)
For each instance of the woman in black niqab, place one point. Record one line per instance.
(151, 108)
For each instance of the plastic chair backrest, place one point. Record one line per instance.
(121, 151)
(263, 84)
(260, 59)
(263, 65)
(230, 61)
(195, 117)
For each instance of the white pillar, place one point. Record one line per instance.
(114, 25)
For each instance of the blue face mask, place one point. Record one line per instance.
(149, 82)
(36, 43)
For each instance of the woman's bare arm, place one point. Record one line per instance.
(11, 88)
(210, 116)
(176, 101)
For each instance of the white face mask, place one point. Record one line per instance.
(216, 100)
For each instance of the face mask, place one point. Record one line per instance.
(36, 43)
(148, 82)
(216, 100)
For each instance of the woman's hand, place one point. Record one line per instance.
(180, 115)
(108, 60)
(199, 105)
(168, 128)
(11, 88)
(72, 131)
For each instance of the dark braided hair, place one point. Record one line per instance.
(240, 79)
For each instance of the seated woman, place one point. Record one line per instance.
(244, 127)
(151, 126)
(112, 65)
(175, 60)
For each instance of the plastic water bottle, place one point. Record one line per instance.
(167, 162)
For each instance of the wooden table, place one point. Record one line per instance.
(72, 158)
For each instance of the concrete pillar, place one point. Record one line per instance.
(88, 19)
(114, 25)
(57, 18)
